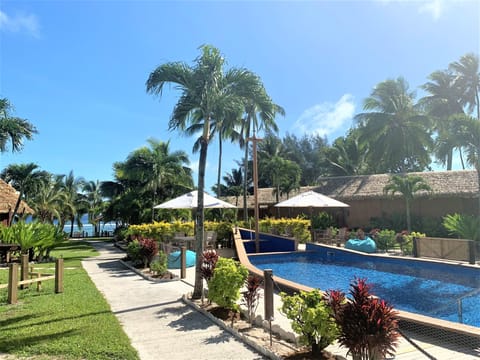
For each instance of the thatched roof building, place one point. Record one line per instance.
(8, 199)
(453, 191)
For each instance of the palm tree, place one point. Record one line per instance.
(76, 202)
(13, 129)
(234, 184)
(204, 89)
(443, 102)
(26, 179)
(396, 136)
(408, 186)
(50, 200)
(155, 166)
(346, 156)
(468, 80)
(95, 204)
(259, 114)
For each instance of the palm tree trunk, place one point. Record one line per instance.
(72, 219)
(407, 209)
(200, 218)
(219, 164)
(245, 183)
(17, 205)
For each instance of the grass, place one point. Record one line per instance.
(77, 324)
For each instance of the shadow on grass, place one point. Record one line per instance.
(14, 344)
(19, 325)
(4, 324)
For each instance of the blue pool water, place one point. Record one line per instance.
(418, 287)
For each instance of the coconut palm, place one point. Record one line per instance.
(95, 204)
(26, 179)
(205, 88)
(345, 157)
(234, 183)
(259, 114)
(76, 201)
(444, 101)
(395, 134)
(467, 79)
(50, 200)
(408, 186)
(13, 130)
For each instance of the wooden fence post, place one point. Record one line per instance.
(183, 262)
(471, 252)
(12, 283)
(59, 276)
(24, 270)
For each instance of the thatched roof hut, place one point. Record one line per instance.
(453, 191)
(8, 199)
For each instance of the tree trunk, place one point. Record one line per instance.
(72, 219)
(200, 218)
(17, 205)
(219, 172)
(407, 206)
(245, 184)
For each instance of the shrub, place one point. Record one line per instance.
(159, 265)
(385, 239)
(224, 287)
(148, 250)
(463, 226)
(368, 327)
(312, 318)
(322, 221)
(133, 252)
(209, 261)
(251, 295)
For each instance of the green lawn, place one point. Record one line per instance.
(76, 324)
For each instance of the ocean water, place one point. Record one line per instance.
(88, 229)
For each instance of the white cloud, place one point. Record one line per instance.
(434, 8)
(27, 23)
(326, 118)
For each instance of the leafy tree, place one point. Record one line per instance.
(395, 135)
(13, 130)
(205, 88)
(26, 179)
(408, 186)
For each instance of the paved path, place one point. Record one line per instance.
(158, 323)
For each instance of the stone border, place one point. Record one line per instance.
(146, 277)
(260, 349)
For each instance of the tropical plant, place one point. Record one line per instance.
(346, 156)
(133, 252)
(463, 226)
(251, 296)
(224, 287)
(13, 129)
(468, 81)
(148, 250)
(208, 93)
(368, 325)
(408, 186)
(209, 261)
(159, 265)
(95, 204)
(26, 179)
(312, 318)
(395, 136)
(49, 202)
(385, 239)
(77, 203)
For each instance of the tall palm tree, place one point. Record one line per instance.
(234, 183)
(396, 136)
(346, 156)
(95, 204)
(26, 179)
(50, 200)
(76, 201)
(13, 130)
(408, 186)
(468, 80)
(259, 114)
(443, 101)
(204, 89)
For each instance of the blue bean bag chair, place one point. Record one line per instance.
(366, 245)
(174, 259)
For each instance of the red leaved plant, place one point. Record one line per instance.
(368, 324)
(148, 250)
(251, 295)
(209, 261)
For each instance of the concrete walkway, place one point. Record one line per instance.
(161, 326)
(158, 323)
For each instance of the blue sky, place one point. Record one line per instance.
(77, 69)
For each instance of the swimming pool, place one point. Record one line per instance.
(438, 290)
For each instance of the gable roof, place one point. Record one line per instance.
(461, 183)
(8, 199)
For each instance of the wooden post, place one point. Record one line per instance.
(24, 270)
(268, 294)
(59, 276)
(12, 283)
(183, 262)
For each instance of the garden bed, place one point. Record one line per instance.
(147, 274)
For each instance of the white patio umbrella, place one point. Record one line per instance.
(189, 201)
(311, 199)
